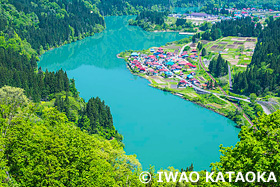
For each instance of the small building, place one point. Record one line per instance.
(182, 83)
(193, 73)
(159, 67)
(152, 57)
(182, 63)
(142, 69)
(160, 50)
(192, 57)
(151, 72)
(189, 76)
(170, 63)
(163, 70)
(134, 54)
(168, 73)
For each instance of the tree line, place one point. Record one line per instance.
(243, 27)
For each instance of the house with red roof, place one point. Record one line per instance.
(192, 56)
(162, 70)
(142, 69)
(151, 72)
(182, 63)
(152, 56)
(182, 83)
(191, 65)
(160, 50)
(193, 73)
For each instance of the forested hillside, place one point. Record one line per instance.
(129, 7)
(27, 28)
(17, 64)
(149, 20)
(263, 74)
(40, 147)
(46, 24)
(239, 27)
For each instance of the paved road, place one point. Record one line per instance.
(182, 49)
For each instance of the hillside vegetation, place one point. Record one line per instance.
(263, 74)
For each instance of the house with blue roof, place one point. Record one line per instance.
(168, 73)
(190, 76)
(170, 63)
(134, 54)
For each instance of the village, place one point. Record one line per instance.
(173, 67)
(197, 18)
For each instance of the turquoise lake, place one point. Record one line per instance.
(161, 129)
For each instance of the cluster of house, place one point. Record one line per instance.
(245, 12)
(165, 64)
(255, 9)
(236, 14)
(193, 15)
(193, 55)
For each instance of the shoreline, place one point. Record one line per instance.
(178, 94)
(180, 32)
(118, 56)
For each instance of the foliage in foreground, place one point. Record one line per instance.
(40, 147)
(257, 151)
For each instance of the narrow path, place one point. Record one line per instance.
(182, 49)
(200, 62)
(229, 77)
(244, 115)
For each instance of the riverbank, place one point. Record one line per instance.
(170, 71)
(179, 94)
(179, 31)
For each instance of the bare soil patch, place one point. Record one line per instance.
(249, 45)
(251, 40)
(238, 43)
(233, 61)
(204, 41)
(214, 46)
(241, 39)
(174, 86)
(232, 46)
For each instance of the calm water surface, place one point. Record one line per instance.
(160, 128)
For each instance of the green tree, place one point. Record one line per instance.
(253, 98)
(203, 53)
(257, 150)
